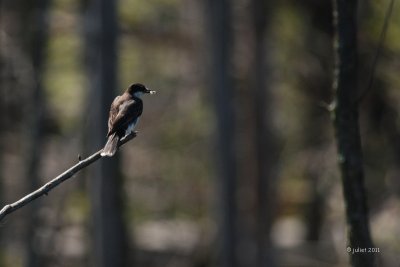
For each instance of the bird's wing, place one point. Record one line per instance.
(123, 113)
(113, 113)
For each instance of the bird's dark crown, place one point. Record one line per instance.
(137, 87)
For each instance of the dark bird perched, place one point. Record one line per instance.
(124, 114)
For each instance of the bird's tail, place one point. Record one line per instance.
(111, 146)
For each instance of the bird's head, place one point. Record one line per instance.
(138, 89)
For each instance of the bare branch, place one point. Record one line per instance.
(45, 189)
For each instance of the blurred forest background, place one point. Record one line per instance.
(235, 163)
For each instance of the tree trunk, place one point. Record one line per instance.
(220, 32)
(109, 243)
(348, 132)
(35, 114)
(263, 135)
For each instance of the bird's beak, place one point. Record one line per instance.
(152, 92)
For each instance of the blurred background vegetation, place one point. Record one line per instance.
(175, 199)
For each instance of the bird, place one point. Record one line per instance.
(124, 114)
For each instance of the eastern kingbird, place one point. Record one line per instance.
(124, 114)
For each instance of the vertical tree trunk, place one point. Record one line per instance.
(263, 135)
(36, 45)
(109, 238)
(220, 31)
(2, 122)
(348, 132)
(24, 27)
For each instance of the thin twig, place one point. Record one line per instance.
(45, 189)
(377, 52)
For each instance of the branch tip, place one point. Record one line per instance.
(45, 189)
